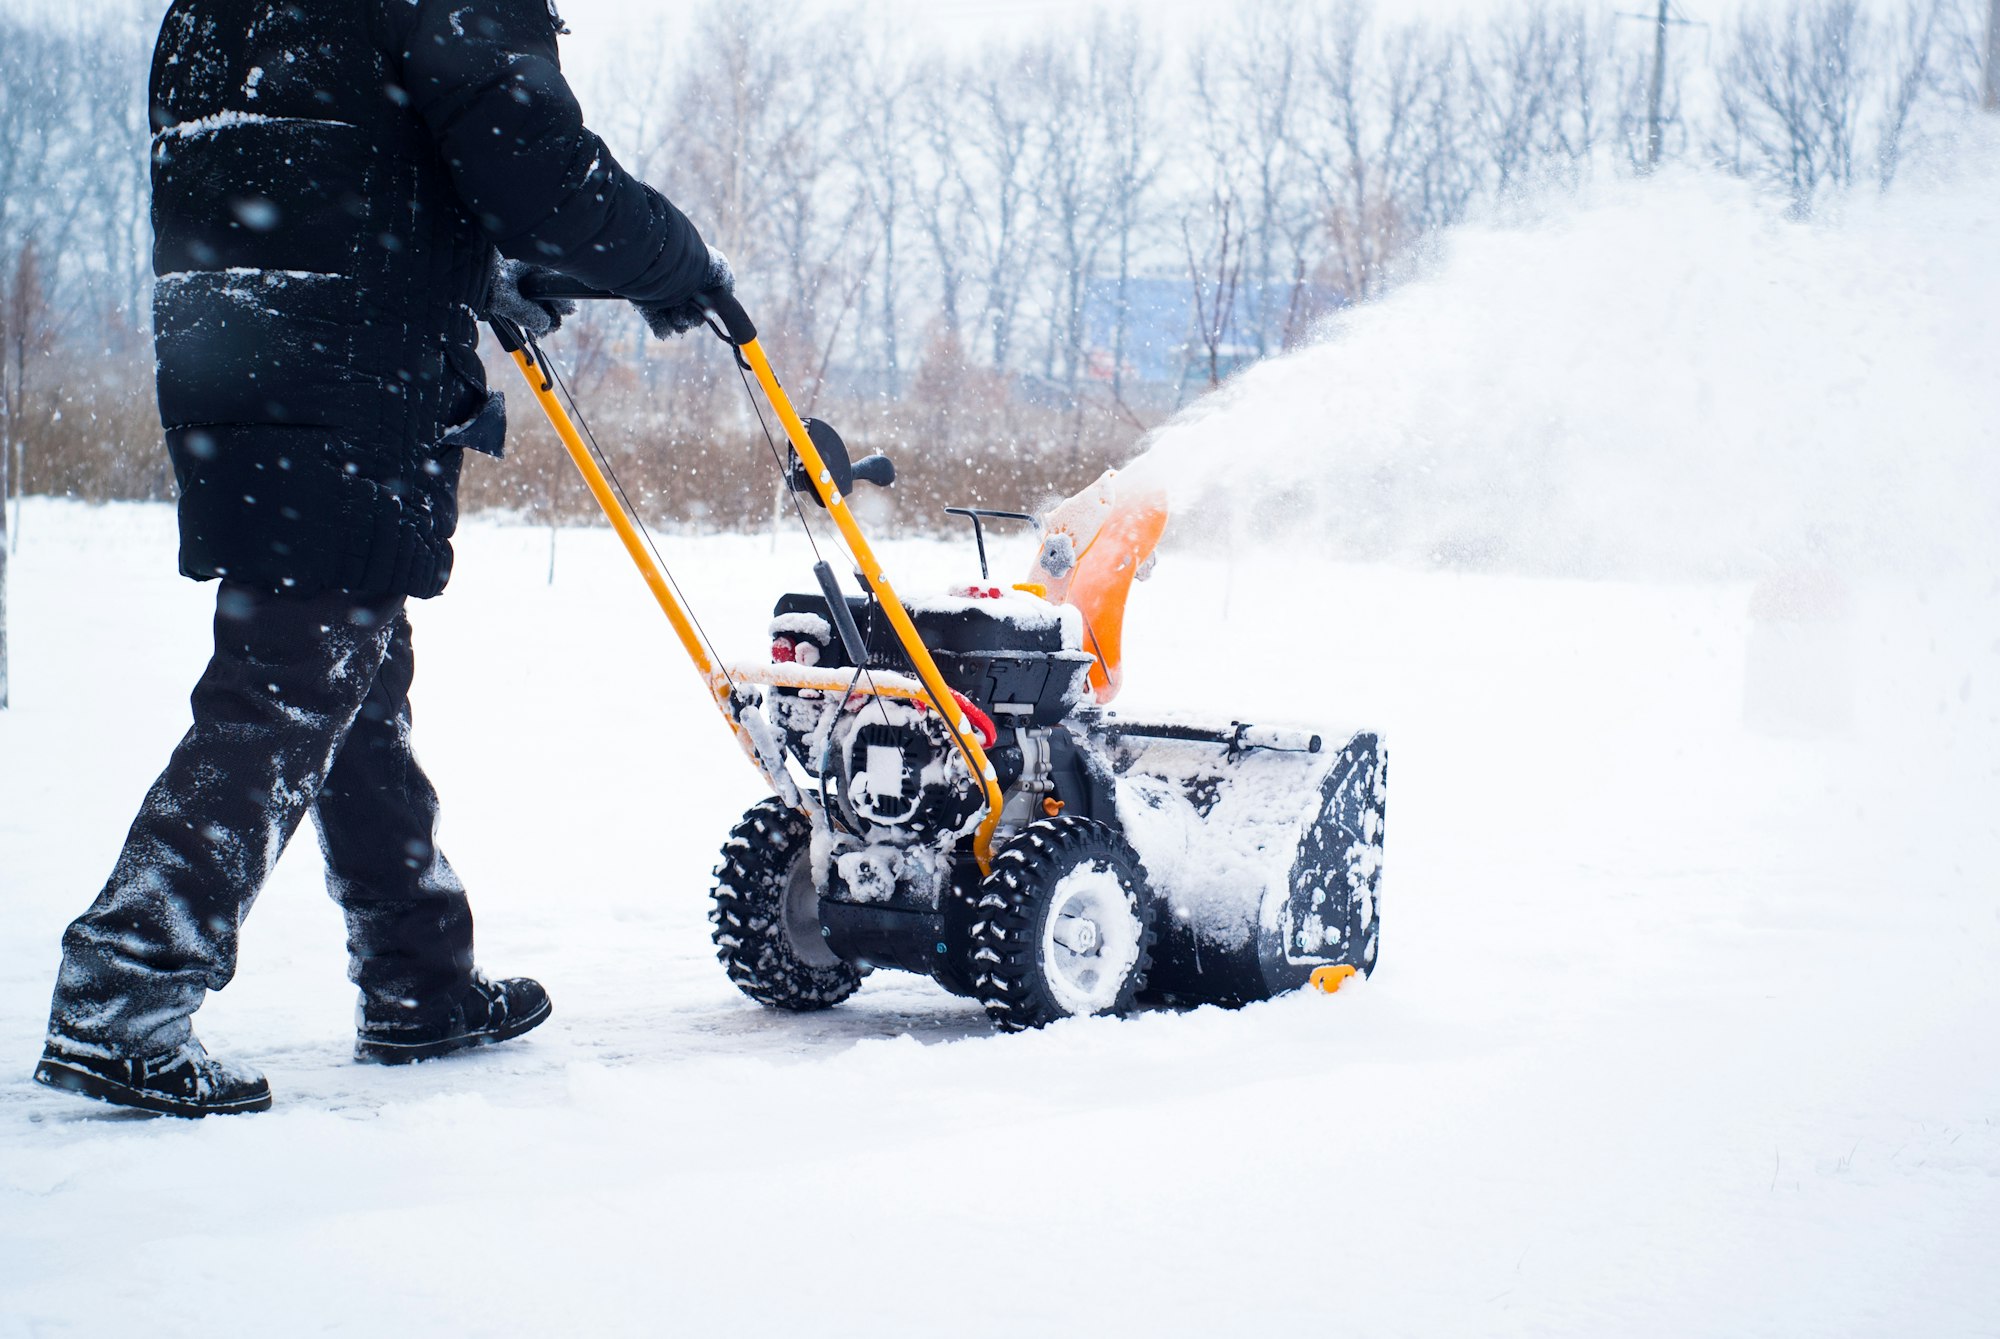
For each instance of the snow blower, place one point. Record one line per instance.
(951, 795)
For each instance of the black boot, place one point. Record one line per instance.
(487, 1012)
(186, 1081)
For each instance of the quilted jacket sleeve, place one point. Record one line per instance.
(485, 78)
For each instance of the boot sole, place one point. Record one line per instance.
(403, 1053)
(72, 1079)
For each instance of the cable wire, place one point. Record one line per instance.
(864, 670)
(784, 478)
(617, 486)
(784, 475)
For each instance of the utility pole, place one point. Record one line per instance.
(1659, 85)
(1656, 87)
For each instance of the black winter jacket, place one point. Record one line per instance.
(330, 180)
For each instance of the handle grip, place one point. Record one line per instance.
(737, 327)
(875, 469)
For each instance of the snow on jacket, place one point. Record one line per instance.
(330, 181)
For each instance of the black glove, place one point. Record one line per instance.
(666, 320)
(537, 316)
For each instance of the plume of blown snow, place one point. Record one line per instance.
(1666, 377)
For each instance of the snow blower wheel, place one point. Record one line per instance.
(766, 915)
(1062, 928)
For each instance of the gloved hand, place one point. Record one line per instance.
(537, 316)
(666, 320)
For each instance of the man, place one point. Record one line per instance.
(333, 187)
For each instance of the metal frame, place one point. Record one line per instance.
(928, 686)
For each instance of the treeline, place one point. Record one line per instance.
(1002, 263)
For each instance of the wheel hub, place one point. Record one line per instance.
(1078, 934)
(801, 915)
(1091, 939)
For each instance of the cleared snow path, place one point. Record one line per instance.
(1679, 1029)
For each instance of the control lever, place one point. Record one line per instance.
(876, 469)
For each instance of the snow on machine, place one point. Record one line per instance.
(951, 795)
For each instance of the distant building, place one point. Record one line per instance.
(1163, 347)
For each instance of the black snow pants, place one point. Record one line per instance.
(304, 709)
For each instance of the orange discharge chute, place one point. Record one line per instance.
(1093, 546)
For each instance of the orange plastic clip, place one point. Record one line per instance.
(1332, 977)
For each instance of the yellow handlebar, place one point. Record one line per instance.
(713, 676)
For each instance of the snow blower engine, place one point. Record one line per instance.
(952, 797)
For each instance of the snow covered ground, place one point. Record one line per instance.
(1687, 1020)
(1679, 1028)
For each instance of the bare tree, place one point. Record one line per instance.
(1445, 162)
(113, 128)
(943, 193)
(1534, 82)
(1909, 51)
(726, 118)
(999, 159)
(1990, 97)
(1247, 79)
(1133, 160)
(1368, 103)
(26, 341)
(1792, 90)
(1962, 63)
(73, 135)
(27, 346)
(1096, 161)
(1214, 273)
(879, 144)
